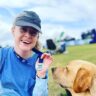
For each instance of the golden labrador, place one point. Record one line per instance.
(79, 77)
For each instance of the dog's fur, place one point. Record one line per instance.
(79, 77)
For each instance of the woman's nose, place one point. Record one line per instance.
(27, 34)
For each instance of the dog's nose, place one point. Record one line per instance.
(53, 69)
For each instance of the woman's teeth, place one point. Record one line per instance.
(26, 42)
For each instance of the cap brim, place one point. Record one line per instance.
(24, 23)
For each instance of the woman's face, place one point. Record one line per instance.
(25, 37)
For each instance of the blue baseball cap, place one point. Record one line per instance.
(28, 18)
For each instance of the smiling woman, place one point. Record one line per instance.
(20, 60)
(24, 39)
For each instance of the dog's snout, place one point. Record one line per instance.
(53, 69)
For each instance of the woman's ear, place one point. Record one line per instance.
(82, 81)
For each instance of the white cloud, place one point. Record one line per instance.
(71, 10)
(87, 7)
(81, 12)
(25, 3)
(5, 33)
(68, 12)
(58, 13)
(4, 26)
(53, 31)
(12, 3)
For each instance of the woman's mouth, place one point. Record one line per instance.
(25, 42)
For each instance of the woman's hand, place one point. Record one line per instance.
(47, 61)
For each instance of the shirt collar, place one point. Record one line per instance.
(29, 60)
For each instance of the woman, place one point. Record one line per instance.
(17, 68)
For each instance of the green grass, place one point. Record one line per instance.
(84, 52)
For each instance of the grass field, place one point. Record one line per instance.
(84, 52)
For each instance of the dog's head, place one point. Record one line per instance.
(77, 75)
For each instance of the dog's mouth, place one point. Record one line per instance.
(61, 85)
(65, 87)
(67, 91)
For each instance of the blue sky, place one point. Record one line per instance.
(70, 16)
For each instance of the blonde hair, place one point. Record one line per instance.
(37, 46)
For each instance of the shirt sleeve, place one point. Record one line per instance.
(41, 87)
(0, 58)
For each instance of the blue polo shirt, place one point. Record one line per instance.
(17, 73)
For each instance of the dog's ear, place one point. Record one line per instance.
(82, 81)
